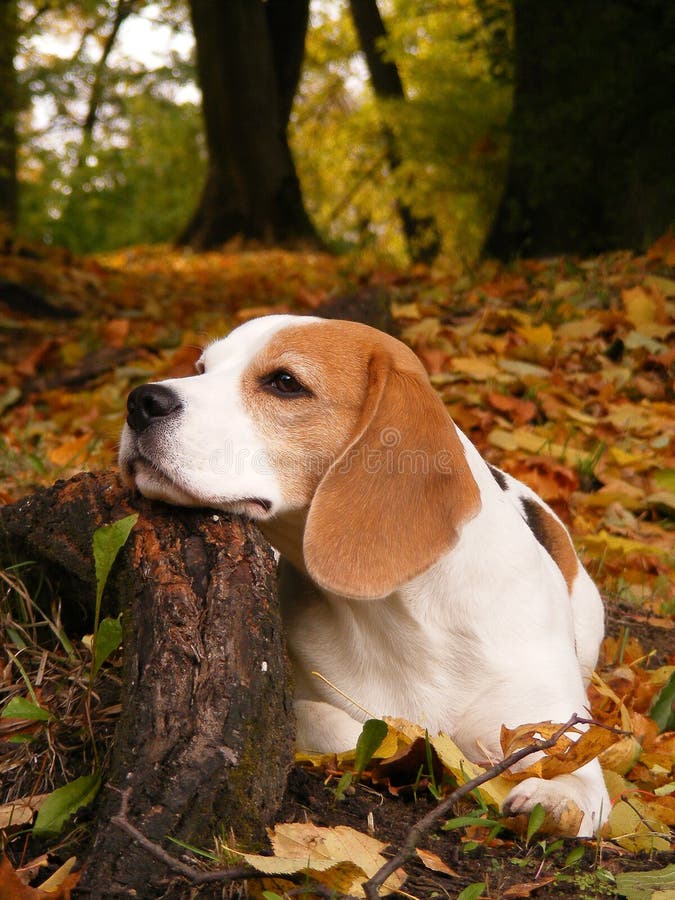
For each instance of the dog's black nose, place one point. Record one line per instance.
(149, 402)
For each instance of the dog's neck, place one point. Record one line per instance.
(285, 534)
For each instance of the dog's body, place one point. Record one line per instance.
(420, 581)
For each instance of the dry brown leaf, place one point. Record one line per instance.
(340, 857)
(435, 863)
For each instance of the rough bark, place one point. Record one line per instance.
(593, 129)
(204, 739)
(249, 57)
(422, 237)
(8, 112)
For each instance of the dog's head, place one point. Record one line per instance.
(293, 414)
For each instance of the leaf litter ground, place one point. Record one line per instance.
(561, 371)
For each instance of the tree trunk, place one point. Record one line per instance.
(249, 57)
(8, 112)
(204, 739)
(593, 129)
(422, 237)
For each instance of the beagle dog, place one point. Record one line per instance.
(422, 582)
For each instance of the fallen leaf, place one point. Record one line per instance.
(340, 857)
(494, 791)
(20, 812)
(639, 305)
(526, 889)
(435, 863)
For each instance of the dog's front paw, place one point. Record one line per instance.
(574, 806)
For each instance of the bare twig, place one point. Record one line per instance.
(199, 876)
(196, 876)
(419, 831)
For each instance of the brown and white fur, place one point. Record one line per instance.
(422, 582)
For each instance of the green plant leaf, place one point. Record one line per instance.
(663, 708)
(644, 885)
(373, 733)
(665, 478)
(108, 639)
(108, 541)
(64, 802)
(345, 780)
(535, 821)
(21, 708)
(472, 891)
(574, 856)
(469, 821)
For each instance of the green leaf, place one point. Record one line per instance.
(64, 802)
(535, 821)
(21, 708)
(345, 780)
(665, 478)
(644, 885)
(663, 708)
(373, 733)
(108, 639)
(108, 540)
(469, 821)
(574, 856)
(472, 891)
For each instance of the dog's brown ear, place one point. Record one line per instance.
(397, 497)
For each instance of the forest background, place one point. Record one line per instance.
(490, 180)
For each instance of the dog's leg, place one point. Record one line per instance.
(324, 728)
(585, 787)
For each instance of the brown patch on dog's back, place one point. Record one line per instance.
(553, 537)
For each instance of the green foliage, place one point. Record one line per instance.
(663, 710)
(645, 885)
(21, 708)
(139, 193)
(111, 152)
(65, 802)
(108, 540)
(535, 821)
(450, 129)
(373, 733)
(108, 639)
(472, 891)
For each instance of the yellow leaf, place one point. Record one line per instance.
(452, 758)
(406, 311)
(604, 541)
(541, 336)
(530, 441)
(579, 329)
(639, 305)
(474, 367)
(340, 857)
(70, 451)
(635, 828)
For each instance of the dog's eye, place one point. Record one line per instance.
(282, 382)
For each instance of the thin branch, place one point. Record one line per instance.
(199, 876)
(196, 876)
(419, 831)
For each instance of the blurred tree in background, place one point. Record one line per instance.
(593, 128)
(8, 111)
(249, 57)
(402, 137)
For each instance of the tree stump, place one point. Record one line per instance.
(205, 735)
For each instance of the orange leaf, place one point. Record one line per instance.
(70, 450)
